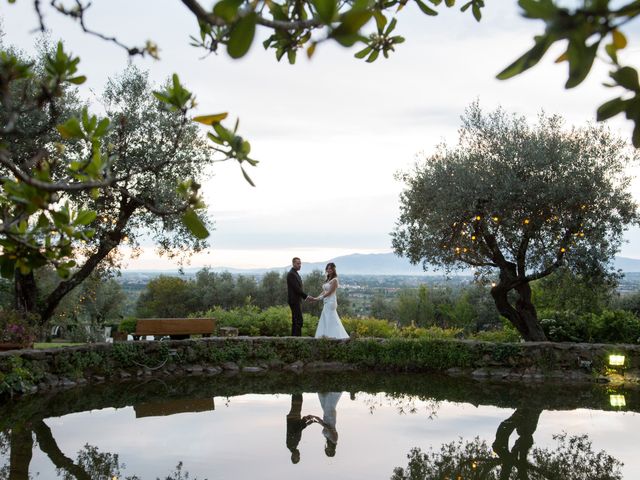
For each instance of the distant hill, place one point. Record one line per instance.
(390, 264)
(627, 264)
(365, 264)
(374, 264)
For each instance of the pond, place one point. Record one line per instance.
(319, 426)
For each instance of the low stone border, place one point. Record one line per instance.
(30, 371)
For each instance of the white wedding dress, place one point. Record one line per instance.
(329, 402)
(330, 325)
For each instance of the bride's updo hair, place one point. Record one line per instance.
(334, 273)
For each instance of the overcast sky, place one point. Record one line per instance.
(331, 132)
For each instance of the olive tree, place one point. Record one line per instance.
(519, 199)
(75, 188)
(572, 456)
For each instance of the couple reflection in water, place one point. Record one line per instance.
(296, 423)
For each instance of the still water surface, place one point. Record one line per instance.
(319, 427)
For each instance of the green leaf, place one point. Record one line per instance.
(85, 119)
(79, 80)
(62, 272)
(612, 51)
(541, 9)
(352, 21)
(477, 13)
(247, 178)
(381, 20)
(224, 134)
(227, 9)
(43, 221)
(626, 77)
(215, 139)
(194, 224)
(580, 61)
(529, 59)
(85, 217)
(71, 129)
(363, 53)
(162, 97)
(103, 126)
(326, 9)
(426, 9)
(211, 119)
(374, 55)
(391, 26)
(611, 108)
(241, 36)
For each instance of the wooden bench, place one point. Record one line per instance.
(176, 328)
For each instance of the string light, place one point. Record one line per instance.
(473, 237)
(563, 249)
(495, 219)
(526, 221)
(478, 217)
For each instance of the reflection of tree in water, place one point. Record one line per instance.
(90, 464)
(573, 458)
(403, 404)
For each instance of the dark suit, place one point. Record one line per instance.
(295, 296)
(295, 425)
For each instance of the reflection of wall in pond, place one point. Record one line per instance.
(171, 407)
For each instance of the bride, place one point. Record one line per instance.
(330, 325)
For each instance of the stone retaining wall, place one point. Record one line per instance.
(29, 371)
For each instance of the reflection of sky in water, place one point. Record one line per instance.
(244, 437)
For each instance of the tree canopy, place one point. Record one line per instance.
(572, 457)
(75, 188)
(523, 200)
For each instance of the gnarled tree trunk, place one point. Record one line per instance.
(523, 316)
(26, 292)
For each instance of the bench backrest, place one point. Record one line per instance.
(175, 326)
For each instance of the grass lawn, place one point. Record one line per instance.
(54, 345)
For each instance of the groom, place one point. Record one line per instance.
(295, 296)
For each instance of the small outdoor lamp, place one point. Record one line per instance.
(616, 360)
(617, 401)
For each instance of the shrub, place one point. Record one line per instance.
(16, 328)
(370, 327)
(616, 326)
(128, 325)
(610, 326)
(251, 321)
(507, 334)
